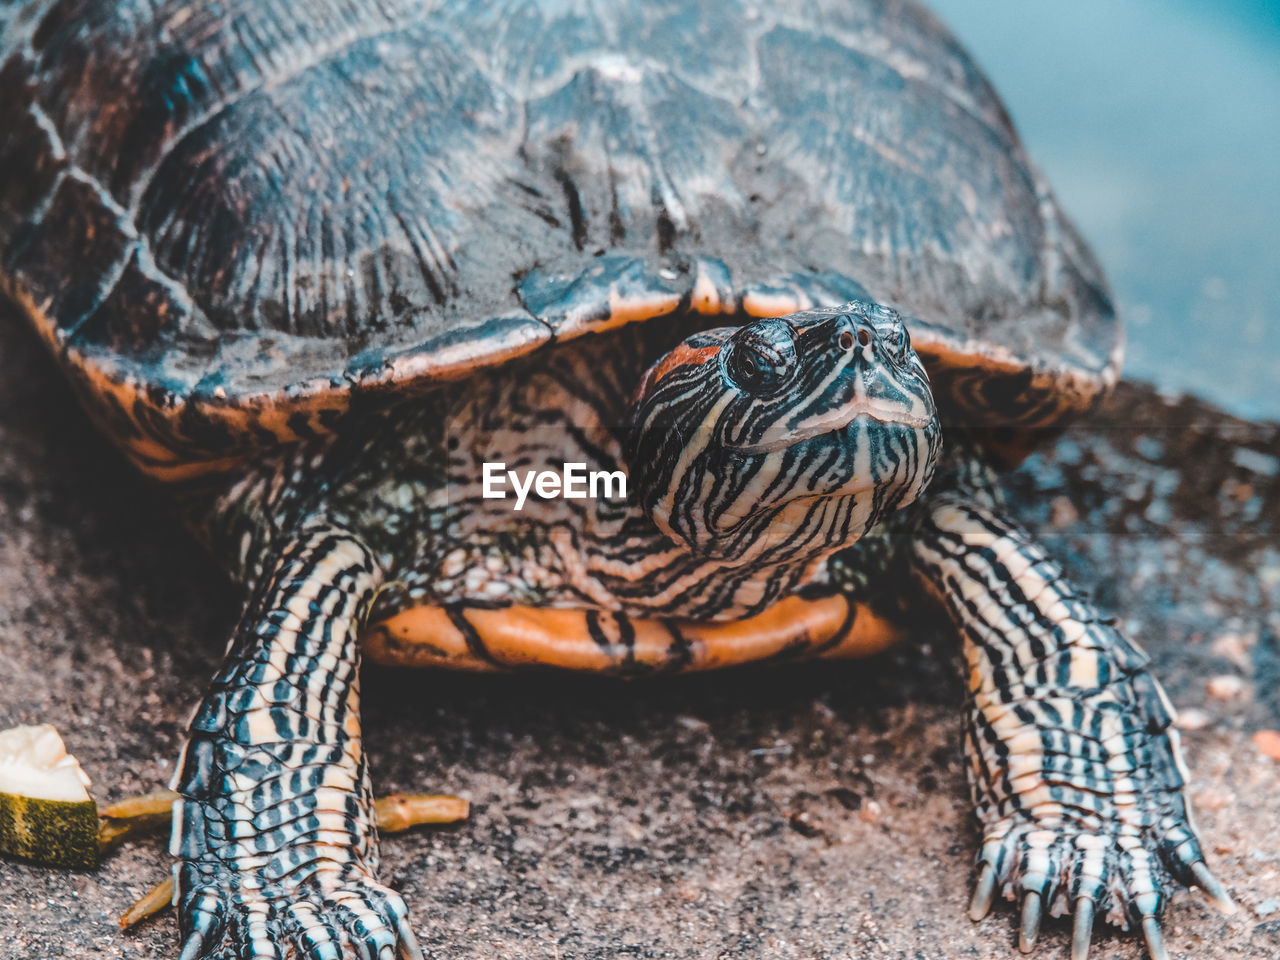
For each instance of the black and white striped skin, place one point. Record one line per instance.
(274, 832)
(1074, 764)
(793, 419)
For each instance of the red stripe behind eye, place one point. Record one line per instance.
(679, 357)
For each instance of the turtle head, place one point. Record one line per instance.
(785, 438)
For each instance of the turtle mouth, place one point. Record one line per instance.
(836, 421)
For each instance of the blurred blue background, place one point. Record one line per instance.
(1158, 123)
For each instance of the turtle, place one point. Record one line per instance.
(619, 338)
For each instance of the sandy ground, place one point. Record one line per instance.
(804, 812)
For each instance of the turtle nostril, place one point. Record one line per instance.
(864, 338)
(846, 341)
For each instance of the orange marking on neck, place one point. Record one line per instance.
(681, 355)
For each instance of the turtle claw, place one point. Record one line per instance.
(1212, 887)
(1029, 930)
(409, 949)
(379, 927)
(983, 893)
(204, 913)
(191, 948)
(1155, 939)
(1082, 929)
(1094, 871)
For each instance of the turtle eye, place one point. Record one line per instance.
(753, 367)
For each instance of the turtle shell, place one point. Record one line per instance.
(231, 221)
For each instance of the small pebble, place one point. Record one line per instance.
(870, 812)
(1268, 741)
(1234, 647)
(823, 712)
(1267, 907)
(804, 824)
(1213, 799)
(1062, 513)
(1192, 718)
(1256, 461)
(1225, 687)
(1149, 447)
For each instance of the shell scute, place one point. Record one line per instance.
(231, 215)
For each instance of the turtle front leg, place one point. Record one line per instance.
(274, 830)
(1073, 763)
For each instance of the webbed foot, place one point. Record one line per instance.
(227, 918)
(137, 815)
(1121, 874)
